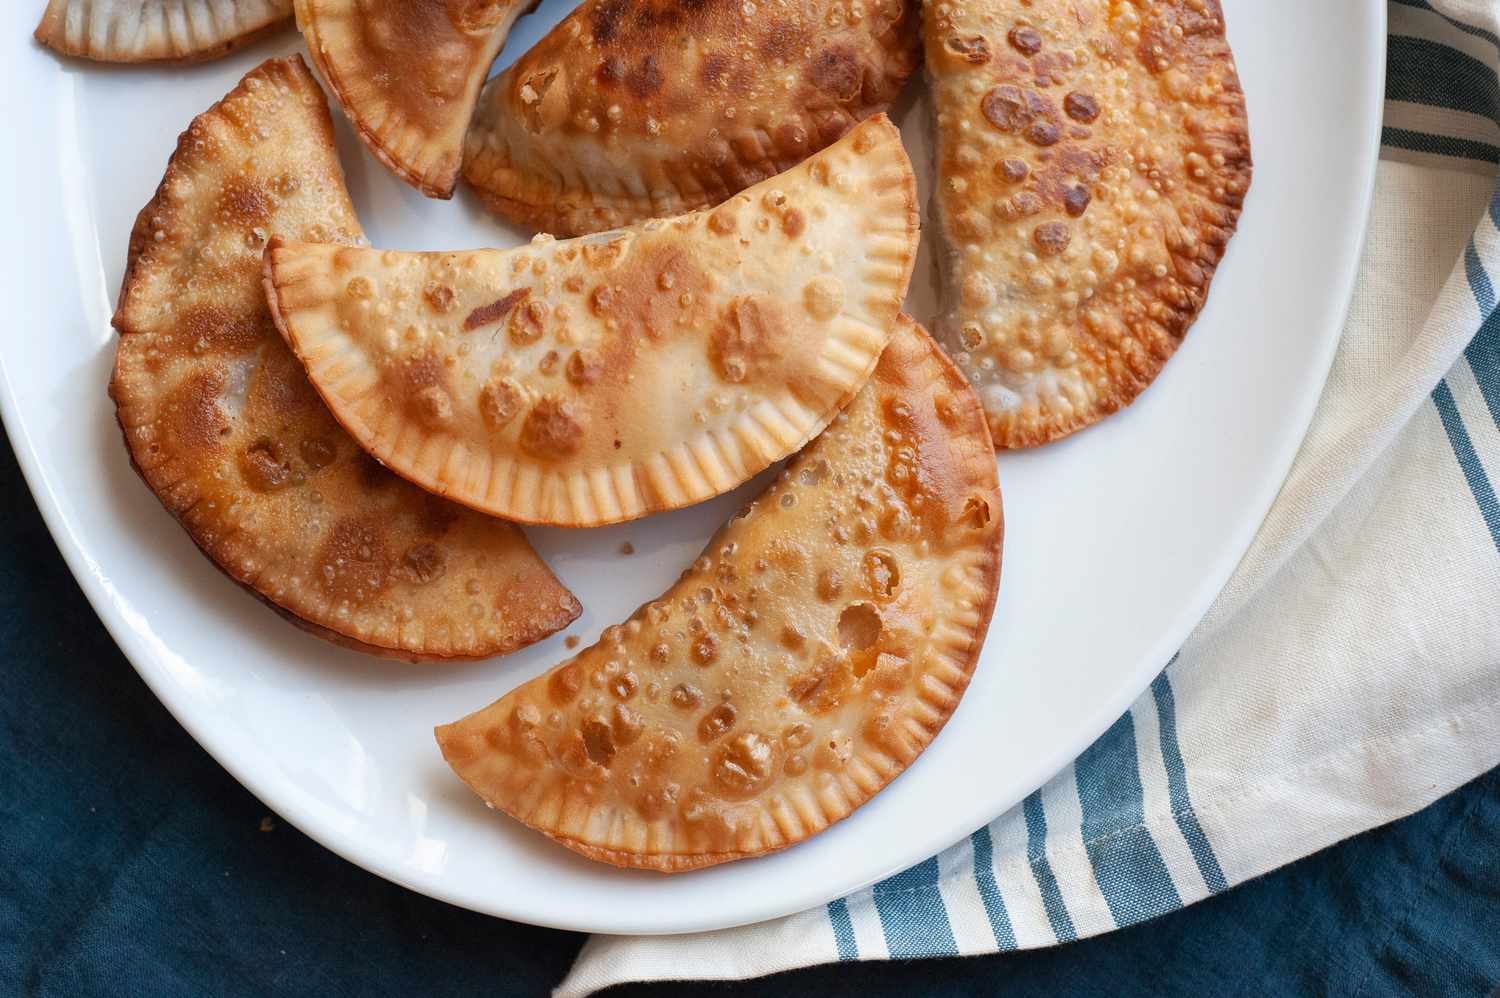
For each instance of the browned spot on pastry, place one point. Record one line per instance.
(434, 406)
(1013, 170)
(607, 17)
(352, 563)
(267, 466)
(495, 310)
(422, 563)
(244, 203)
(1025, 40)
(584, 366)
(645, 79)
(837, 73)
(563, 685)
(1081, 107)
(625, 724)
(745, 765)
(598, 741)
(528, 323)
(206, 326)
(439, 296)
(882, 573)
(724, 220)
(1043, 133)
(780, 39)
(191, 412)
(1051, 238)
(553, 429)
(823, 686)
(1010, 109)
(500, 401)
(973, 49)
(1076, 200)
(714, 65)
(749, 335)
(611, 70)
(716, 722)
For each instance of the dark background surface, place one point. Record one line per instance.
(130, 863)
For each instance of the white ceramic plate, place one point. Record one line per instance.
(1117, 538)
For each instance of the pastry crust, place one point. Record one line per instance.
(596, 380)
(1092, 159)
(156, 30)
(634, 109)
(407, 74)
(796, 668)
(223, 426)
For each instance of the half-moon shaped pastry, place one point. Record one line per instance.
(633, 109)
(599, 379)
(407, 73)
(156, 30)
(221, 422)
(1092, 160)
(811, 653)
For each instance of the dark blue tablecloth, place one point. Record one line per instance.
(131, 864)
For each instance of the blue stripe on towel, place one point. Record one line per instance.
(843, 930)
(1041, 869)
(1127, 864)
(1483, 355)
(1468, 29)
(1440, 145)
(989, 890)
(1424, 72)
(1468, 460)
(912, 913)
(1479, 282)
(1177, 788)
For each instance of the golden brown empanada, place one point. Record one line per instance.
(222, 424)
(407, 73)
(152, 30)
(599, 379)
(633, 109)
(795, 669)
(1092, 159)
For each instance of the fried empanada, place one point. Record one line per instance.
(811, 653)
(407, 73)
(599, 379)
(223, 426)
(634, 109)
(156, 30)
(1092, 160)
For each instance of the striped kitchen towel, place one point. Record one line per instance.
(1348, 675)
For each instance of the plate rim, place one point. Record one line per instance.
(351, 847)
